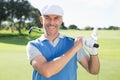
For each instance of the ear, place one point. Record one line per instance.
(41, 19)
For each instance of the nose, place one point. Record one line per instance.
(52, 22)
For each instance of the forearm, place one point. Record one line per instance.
(58, 64)
(48, 69)
(94, 65)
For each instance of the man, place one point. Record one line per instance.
(54, 56)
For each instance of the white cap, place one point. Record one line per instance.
(52, 9)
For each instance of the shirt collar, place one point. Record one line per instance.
(43, 38)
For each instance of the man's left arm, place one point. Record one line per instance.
(91, 64)
(94, 64)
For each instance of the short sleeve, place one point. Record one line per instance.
(81, 54)
(32, 51)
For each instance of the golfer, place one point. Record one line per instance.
(54, 56)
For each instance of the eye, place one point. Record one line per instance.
(46, 17)
(57, 18)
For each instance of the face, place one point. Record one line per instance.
(51, 24)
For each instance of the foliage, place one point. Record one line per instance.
(73, 26)
(19, 11)
(88, 28)
(3, 13)
(63, 26)
(113, 28)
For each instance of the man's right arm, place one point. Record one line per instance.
(48, 69)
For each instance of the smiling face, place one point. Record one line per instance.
(51, 24)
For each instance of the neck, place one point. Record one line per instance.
(52, 37)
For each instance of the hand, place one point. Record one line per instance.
(88, 45)
(78, 43)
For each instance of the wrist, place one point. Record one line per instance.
(94, 55)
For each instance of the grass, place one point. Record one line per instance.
(109, 54)
(14, 64)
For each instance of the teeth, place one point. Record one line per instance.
(51, 27)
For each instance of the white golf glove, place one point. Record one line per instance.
(88, 45)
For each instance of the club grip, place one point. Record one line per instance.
(96, 45)
(30, 31)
